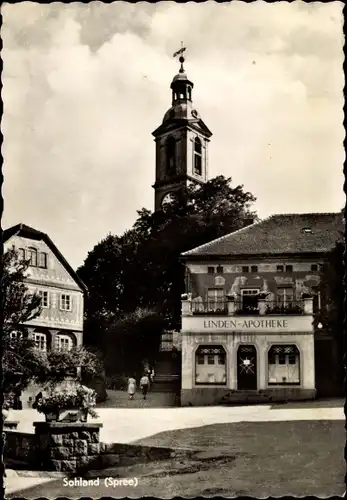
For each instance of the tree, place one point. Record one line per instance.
(332, 312)
(141, 268)
(131, 339)
(17, 306)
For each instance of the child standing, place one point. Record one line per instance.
(131, 387)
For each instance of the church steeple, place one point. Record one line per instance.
(181, 86)
(181, 142)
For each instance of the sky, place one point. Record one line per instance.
(85, 85)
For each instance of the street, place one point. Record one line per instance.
(294, 449)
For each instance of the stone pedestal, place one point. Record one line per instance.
(68, 447)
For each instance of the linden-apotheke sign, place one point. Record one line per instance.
(257, 325)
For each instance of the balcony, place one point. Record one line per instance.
(234, 315)
(236, 307)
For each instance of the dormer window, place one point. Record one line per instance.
(32, 254)
(197, 156)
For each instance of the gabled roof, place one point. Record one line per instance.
(34, 234)
(276, 235)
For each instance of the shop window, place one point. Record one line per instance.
(200, 359)
(210, 359)
(284, 365)
(210, 365)
(221, 359)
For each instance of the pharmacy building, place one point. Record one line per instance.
(249, 331)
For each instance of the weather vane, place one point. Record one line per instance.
(181, 59)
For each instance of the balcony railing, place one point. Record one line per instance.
(238, 308)
(217, 308)
(294, 307)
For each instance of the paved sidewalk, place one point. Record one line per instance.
(22, 480)
(126, 425)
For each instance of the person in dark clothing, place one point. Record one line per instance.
(144, 384)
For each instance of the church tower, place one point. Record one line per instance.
(181, 143)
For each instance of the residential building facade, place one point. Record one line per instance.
(60, 324)
(248, 316)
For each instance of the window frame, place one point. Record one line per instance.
(245, 269)
(62, 300)
(42, 293)
(67, 340)
(197, 163)
(220, 370)
(21, 254)
(216, 299)
(210, 269)
(254, 269)
(42, 336)
(170, 154)
(288, 358)
(32, 251)
(44, 256)
(286, 297)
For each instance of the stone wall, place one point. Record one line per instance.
(67, 447)
(20, 446)
(75, 448)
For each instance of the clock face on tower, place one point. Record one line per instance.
(167, 199)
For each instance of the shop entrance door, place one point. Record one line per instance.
(247, 368)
